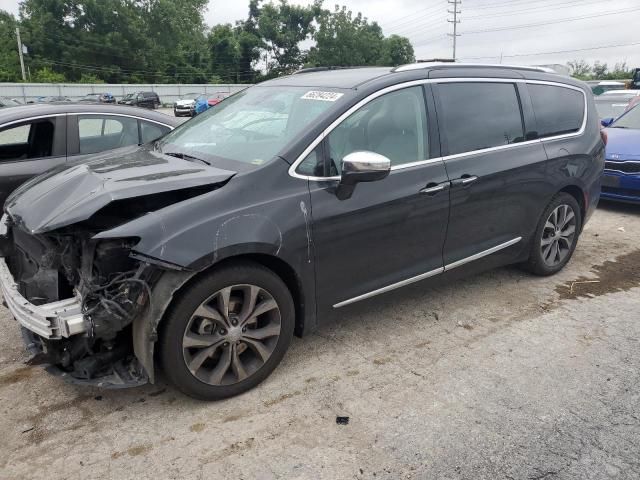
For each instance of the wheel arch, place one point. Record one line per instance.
(579, 194)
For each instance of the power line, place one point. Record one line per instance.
(534, 54)
(564, 20)
(571, 4)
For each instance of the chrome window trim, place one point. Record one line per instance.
(430, 273)
(28, 119)
(122, 115)
(292, 169)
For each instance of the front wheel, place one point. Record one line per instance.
(556, 236)
(227, 332)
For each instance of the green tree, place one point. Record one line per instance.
(282, 27)
(397, 50)
(343, 39)
(118, 40)
(89, 78)
(599, 70)
(46, 75)
(224, 50)
(580, 69)
(9, 61)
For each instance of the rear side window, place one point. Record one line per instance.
(100, 132)
(558, 110)
(151, 131)
(480, 115)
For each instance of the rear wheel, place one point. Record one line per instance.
(556, 236)
(228, 332)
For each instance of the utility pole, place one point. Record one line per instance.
(455, 22)
(24, 75)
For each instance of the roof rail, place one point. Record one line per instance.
(324, 69)
(418, 66)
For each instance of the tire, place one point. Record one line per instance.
(562, 230)
(186, 337)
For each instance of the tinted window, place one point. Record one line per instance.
(393, 125)
(480, 115)
(34, 140)
(558, 110)
(99, 133)
(15, 135)
(151, 131)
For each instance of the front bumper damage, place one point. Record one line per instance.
(76, 316)
(51, 321)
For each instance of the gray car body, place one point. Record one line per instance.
(289, 223)
(16, 171)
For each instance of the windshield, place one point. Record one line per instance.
(631, 119)
(251, 126)
(611, 109)
(128, 96)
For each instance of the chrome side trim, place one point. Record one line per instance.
(431, 273)
(399, 86)
(28, 119)
(484, 253)
(121, 115)
(388, 288)
(52, 320)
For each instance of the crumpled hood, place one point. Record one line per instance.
(623, 144)
(72, 193)
(185, 103)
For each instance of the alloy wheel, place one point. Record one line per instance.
(558, 235)
(231, 335)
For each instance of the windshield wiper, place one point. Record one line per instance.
(186, 156)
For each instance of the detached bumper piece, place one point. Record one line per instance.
(52, 321)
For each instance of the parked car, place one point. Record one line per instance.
(186, 105)
(8, 102)
(98, 98)
(605, 85)
(51, 99)
(205, 102)
(610, 107)
(624, 93)
(35, 138)
(272, 212)
(621, 180)
(141, 99)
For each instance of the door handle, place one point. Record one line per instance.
(433, 188)
(464, 180)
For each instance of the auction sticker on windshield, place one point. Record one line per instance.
(323, 96)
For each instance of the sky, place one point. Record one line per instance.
(487, 34)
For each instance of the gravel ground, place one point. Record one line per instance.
(499, 376)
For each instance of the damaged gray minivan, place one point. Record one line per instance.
(205, 251)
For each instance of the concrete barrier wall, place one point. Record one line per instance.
(168, 93)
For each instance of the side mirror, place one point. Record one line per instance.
(361, 167)
(605, 122)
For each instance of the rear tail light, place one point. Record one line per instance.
(604, 136)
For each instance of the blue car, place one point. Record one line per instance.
(621, 180)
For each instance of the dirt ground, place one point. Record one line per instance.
(499, 376)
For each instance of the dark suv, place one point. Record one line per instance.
(141, 99)
(286, 203)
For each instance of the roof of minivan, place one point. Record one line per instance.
(349, 78)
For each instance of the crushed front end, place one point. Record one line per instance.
(75, 299)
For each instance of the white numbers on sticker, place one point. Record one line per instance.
(323, 96)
